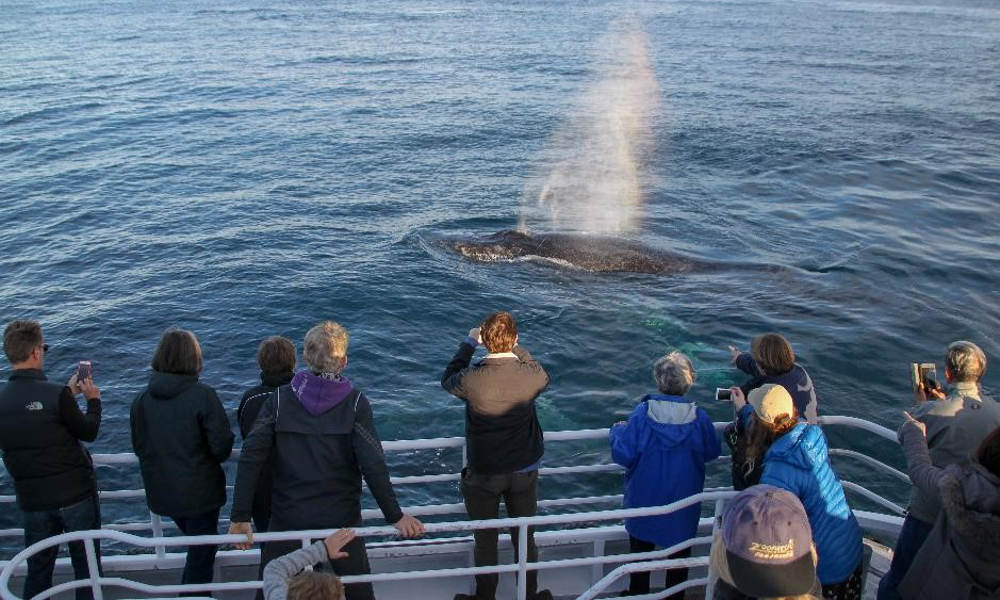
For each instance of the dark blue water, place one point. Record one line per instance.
(249, 169)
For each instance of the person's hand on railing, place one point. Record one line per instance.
(337, 540)
(245, 529)
(409, 526)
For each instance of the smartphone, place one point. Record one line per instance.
(84, 370)
(924, 374)
(723, 394)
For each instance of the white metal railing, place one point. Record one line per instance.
(159, 543)
(97, 582)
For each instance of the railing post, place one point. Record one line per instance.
(522, 562)
(92, 568)
(710, 586)
(597, 571)
(157, 526)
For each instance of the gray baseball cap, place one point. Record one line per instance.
(768, 543)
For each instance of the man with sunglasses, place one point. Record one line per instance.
(41, 427)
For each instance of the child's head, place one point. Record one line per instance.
(315, 585)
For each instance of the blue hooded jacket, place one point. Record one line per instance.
(664, 447)
(799, 462)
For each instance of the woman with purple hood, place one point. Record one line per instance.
(320, 434)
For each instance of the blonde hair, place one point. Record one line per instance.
(325, 347)
(966, 361)
(315, 585)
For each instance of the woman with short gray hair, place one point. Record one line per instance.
(664, 445)
(674, 374)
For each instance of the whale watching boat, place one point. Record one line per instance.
(583, 546)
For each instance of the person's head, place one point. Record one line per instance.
(325, 348)
(965, 362)
(988, 453)
(23, 343)
(499, 332)
(766, 548)
(674, 374)
(315, 585)
(276, 355)
(178, 352)
(772, 353)
(774, 415)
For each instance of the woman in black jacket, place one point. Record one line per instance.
(181, 435)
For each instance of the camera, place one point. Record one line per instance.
(84, 370)
(723, 394)
(924, 374)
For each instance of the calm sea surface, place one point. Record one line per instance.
(249, 169)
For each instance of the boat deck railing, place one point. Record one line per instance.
(149, 552)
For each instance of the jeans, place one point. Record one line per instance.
(200, 562)
(638, 583)
(355, 563)
(38, 525)
(482, 495)
(911, 537)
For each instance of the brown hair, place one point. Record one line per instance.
(276, 355)
(772, 353)
(761, 434)
(499, 332)
(20, 338)
(315, 585)
(988, 453)
(178, 352)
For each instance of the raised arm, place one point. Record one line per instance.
(924, 475)
(454, 373)
(82, 426)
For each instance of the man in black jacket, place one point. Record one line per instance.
(41, 428)
(503, 439)
(320, 434)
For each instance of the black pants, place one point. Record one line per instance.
(638, 583)
(355, 563)
(39, 525)
(482, 495)
(200, 561)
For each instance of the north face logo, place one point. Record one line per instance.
(33, 406)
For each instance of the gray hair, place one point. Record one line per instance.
(674, 374)
(325, 347)
(966, 361)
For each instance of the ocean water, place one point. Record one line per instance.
(248, 169)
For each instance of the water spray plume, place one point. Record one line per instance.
(595, 157)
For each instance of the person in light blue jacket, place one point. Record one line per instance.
(796, 458)
(664, 447)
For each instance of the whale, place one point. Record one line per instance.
(598, 254)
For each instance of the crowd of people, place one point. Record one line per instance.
(309, 439)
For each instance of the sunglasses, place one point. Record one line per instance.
(45, 348)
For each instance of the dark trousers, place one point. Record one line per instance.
(200, 561)
(482, 495)
(39, 525)
(355, 563)
(911, 537)
(638, 583)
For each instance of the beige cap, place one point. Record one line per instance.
(770, 401)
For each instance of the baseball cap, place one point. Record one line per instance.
(770, 401)
(768, 543)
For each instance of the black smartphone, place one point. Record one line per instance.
(84, 370)
(724, 394)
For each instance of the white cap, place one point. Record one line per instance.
(771, 401)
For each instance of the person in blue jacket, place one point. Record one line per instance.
(664, 447)
(795, 457)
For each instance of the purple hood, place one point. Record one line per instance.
(318, 394)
